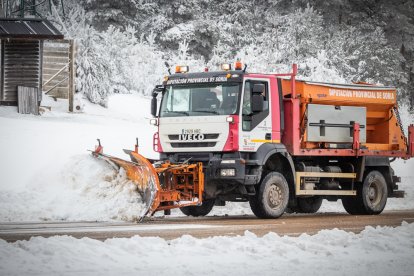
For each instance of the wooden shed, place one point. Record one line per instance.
(21, 54)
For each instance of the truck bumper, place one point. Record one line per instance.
(219, 168)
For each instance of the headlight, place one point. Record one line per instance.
(227, 172)
(230, 119)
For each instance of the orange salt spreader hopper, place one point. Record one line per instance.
(383, 129)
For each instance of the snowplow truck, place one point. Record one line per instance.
(280, 143)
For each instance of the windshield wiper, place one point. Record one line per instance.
(179, 112)
(207, 111)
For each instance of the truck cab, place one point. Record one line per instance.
(220, 118)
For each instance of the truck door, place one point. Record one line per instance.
(255, 127)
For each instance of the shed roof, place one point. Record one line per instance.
(28, 28)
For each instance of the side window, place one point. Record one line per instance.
(249, 119)
(247, 110)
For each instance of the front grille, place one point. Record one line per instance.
(194, 145)
(175, 137)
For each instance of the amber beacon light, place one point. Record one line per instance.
(238, 65)
(181, 69)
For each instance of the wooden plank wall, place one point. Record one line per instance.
(21, 65)
(55, 56)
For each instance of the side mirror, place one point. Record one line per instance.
(154, 106)
(257, 103)
(157, 89)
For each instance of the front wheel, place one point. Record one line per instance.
(272, 197)
(199, 211)
(309, 205)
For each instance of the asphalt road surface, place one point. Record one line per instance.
(174, 227)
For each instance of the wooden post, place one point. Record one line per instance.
(71, 71)
(40, 96)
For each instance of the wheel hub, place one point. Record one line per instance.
(275, 196)
(372, 193)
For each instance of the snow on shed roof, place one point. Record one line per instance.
(28, 28)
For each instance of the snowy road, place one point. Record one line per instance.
(174, 227)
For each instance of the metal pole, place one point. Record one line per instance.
(293, 79)
(71, 72)
(33, 8)
(63, 7)
(22, 8)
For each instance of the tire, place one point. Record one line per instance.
(186, 210)
(371, 196)
(199, 211)
(272, 197)
(291, 210)
(352, 205)
(309, 205)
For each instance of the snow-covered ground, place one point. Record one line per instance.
(375, 251)
(48, 174)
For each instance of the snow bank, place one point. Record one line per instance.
(47, 172)
(88, 189)
(375, 251)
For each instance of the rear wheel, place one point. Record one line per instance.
(371, 196)
(352, 205)
(199, 211)
(272, 197)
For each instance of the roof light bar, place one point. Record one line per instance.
(226, 67)
(181, 69)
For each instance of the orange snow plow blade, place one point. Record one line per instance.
(164, 186)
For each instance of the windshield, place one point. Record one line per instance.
(200, 100)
